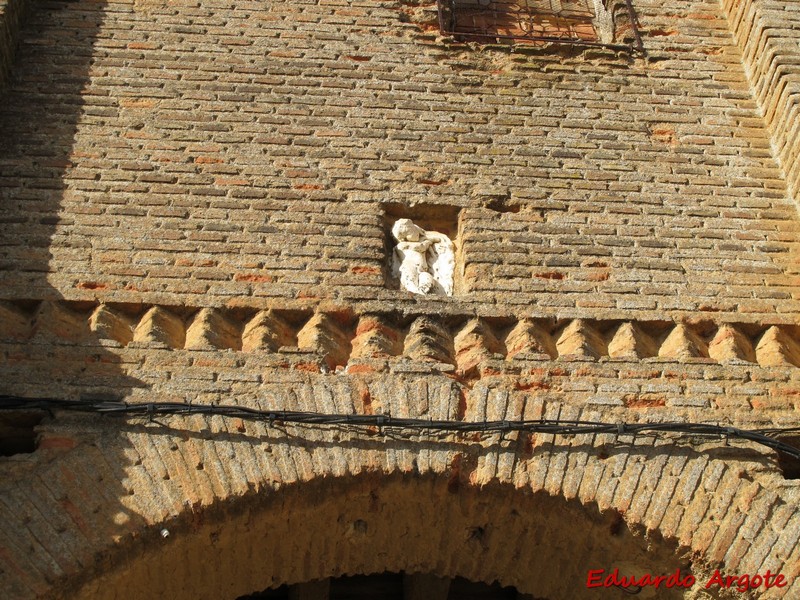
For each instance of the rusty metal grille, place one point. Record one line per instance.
(540, 22)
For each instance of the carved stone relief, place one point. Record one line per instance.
(424, 261)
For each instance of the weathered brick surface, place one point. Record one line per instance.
(496, 343)
(766, 31)
(196, 200)
(745, 394)
(243, 152)
(12, 14)
(114, 488)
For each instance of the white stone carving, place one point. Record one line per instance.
(425, 261)
(604, 21)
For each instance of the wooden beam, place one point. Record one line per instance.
(425, 587)
(311, 590)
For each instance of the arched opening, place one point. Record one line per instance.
(391, 586)
(494, 535)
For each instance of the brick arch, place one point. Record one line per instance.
(279, 505)
(541, 544)
(231, 490)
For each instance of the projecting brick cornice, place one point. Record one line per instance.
(767, 34)
(465, 343)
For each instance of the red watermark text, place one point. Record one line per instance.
(600, 578)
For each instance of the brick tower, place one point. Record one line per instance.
(223, 373)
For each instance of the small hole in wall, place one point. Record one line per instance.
(18, 432)
(426, 258)
(790, 466)
(503, 205)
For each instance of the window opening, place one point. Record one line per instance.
(605, 23)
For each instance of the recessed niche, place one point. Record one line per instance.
(18, 432)
(423, 249)
(789, 465)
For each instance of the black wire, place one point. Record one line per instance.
(763, 437)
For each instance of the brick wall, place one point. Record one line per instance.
(12, 13)
(628, 249)
(212, 356)
(245, 158)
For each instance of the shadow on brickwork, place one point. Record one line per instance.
(372, 521)
(48, 95)
(65, 507)
(60, 500)
(326, 512)
(39, 115)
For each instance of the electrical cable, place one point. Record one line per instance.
(764, 437)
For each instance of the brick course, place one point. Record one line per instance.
(643, 186)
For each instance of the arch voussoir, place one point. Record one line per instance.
(301, 502)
